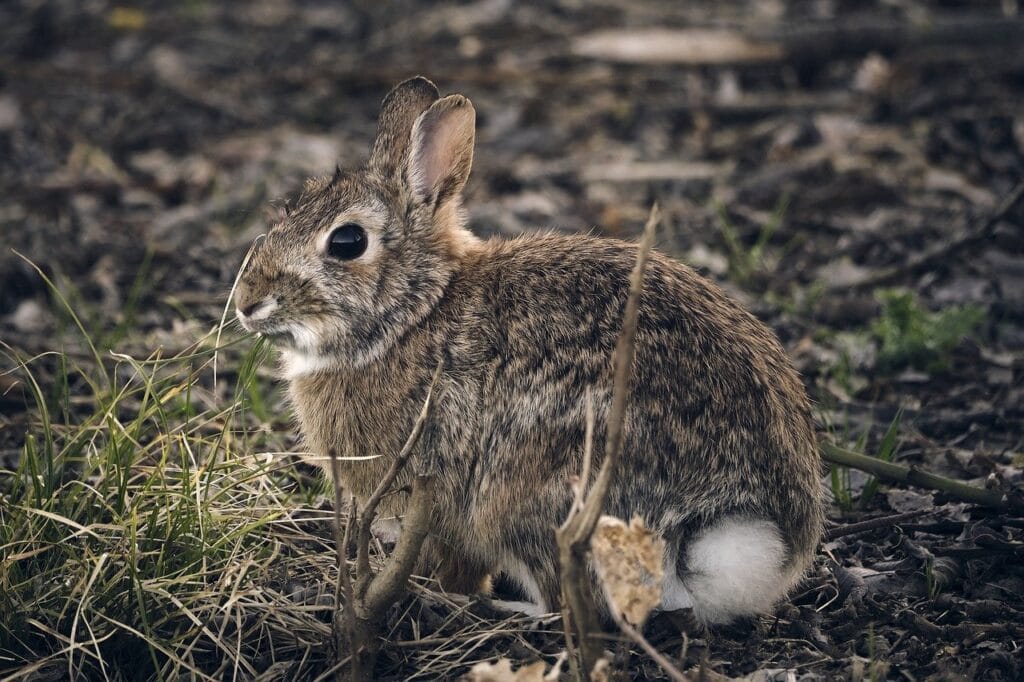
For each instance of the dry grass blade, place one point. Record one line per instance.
(206, 527)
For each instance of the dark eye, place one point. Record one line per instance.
(347, 242)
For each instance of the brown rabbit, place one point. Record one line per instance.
(374, 278)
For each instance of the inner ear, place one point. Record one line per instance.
(398, 114)
(441, 152)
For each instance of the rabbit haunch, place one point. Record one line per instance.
(719, 454)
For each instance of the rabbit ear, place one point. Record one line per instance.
(398, 113)
(441, 152)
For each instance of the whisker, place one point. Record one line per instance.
(227, 303)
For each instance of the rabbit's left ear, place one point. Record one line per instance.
(441, 150)
(398, 114)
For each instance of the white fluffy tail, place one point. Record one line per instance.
(734, 568)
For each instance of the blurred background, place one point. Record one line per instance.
(851, 170)
(805, 152)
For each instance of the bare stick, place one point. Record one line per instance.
(872, 524)
(588, 453)
(369, 596)
(344, 577)
(370, 509)
(388, 585)
(579, 490)
(574, 535)
(897, 473)
(341, 548)
(637, 637)
(623, 363)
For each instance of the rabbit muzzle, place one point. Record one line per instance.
(256, 315)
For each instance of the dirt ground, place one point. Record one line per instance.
(840, 150)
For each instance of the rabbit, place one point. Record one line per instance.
(373, 279)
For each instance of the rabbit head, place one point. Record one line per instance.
(366, 254)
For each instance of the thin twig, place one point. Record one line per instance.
(372, 594)
(344, 577)
(623, 363)
(370, 508)
(341, 547)
(588, 452)
(579, 490)
(929, 258)
(573, 536)
(872, 524)
(638, 637)
(897, 473)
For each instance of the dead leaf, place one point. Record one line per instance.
(650, 171)
(601, 671)
(908, 500)
(675, 46)
(629, 560)
(502, 672)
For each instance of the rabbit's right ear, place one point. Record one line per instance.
(441, 150)
(398, 114)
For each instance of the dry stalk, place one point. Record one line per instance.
(574, 535)
(369, 596)
(341, 539)
(635, 635)
(369, 511)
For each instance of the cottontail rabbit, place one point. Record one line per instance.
(373, 279)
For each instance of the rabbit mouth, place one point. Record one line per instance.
(278, 337)
(272, 333)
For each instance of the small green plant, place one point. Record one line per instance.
(887, 450)
(909, 335)
(839, 481)
(745, 262)
(839, 476)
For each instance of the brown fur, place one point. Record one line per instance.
(718, 422)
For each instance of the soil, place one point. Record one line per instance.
(877, 144)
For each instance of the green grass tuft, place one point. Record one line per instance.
(146, 533)
(910, 336)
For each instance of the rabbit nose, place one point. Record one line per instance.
(259, 309)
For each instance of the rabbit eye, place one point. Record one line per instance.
(347, 242)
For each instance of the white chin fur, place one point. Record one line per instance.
(297, 363)
(734, 568)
